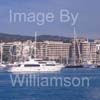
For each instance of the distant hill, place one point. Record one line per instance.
(9, 37)
(53, 38)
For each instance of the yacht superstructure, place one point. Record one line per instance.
(35, 65)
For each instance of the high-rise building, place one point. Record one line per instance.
(53, 50)
(85, 51)
(93, 52)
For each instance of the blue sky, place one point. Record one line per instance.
(88, 23)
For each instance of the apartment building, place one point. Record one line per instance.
(98, 51)
(53, 50)
(93, 52)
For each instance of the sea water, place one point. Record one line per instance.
(74, 88)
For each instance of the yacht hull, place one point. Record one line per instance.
(72, 66)
(35, 69)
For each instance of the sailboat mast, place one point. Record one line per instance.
(74, 46)
(35, 45)
(79, 53)
(67, 58)
(1, 52)
(90, 53)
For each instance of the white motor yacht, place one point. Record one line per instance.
(35, 65)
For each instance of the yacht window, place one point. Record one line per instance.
(31, 65)
(42, 62)
(50, 64)
(19, 65)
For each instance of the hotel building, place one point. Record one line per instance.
(52, 50)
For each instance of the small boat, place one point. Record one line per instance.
(74, 66)
(89, 64)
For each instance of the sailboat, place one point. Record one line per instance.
(74, 63)
(88, 62)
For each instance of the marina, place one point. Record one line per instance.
(49, 50)
(33, 58)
